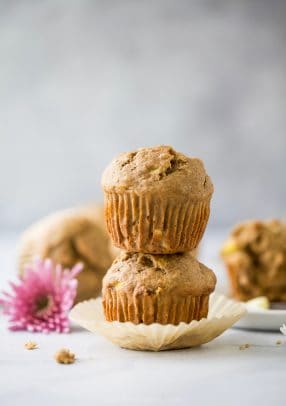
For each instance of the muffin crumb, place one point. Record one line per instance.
(278, 342)
(31, 345)
(64, 356)
(244, 346)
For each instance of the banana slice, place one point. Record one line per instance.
(260, 302)
(229, 247)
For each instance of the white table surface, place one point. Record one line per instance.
(217, 373)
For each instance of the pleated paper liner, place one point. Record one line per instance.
(147, 309)
(223, 313)
(151, 225)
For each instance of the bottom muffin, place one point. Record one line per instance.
(165, 289)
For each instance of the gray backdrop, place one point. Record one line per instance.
(81, 81)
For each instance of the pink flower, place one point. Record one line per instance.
(41, 300)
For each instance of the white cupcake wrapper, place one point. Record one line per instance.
(223, 313)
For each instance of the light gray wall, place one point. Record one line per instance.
(81, 81)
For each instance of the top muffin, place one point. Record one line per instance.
(158, 167)
(157, 200)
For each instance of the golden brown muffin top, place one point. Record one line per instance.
(257, 249)
(257, 237)
(179, 274)
(157, 167)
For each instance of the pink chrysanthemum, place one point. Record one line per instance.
(41, 300)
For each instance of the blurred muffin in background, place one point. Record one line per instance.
(255, 258)
(68, 237)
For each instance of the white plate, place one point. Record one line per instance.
(262, 319)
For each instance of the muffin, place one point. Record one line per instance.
(255, 258)
(68, 237)
(165, 289)
(157, 201)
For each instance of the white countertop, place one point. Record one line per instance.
(217, 373)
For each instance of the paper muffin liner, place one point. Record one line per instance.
(150, 224)
(223, 313)
(233, 281)
(237, 290)
(150, 309)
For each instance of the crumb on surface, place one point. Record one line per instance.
(244, 346)
(64, 356)
(278, 342)
(31, 345)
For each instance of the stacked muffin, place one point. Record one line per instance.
(157, 204)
